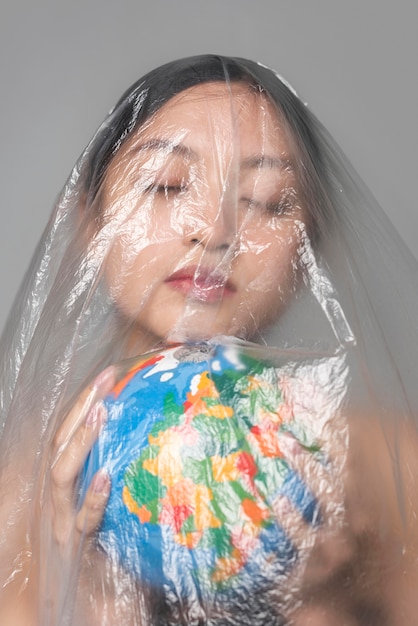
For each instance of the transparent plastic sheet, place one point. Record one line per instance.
(208, 386)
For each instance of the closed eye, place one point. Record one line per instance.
(165, 189)
(274, 208)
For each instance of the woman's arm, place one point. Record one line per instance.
(28, 593)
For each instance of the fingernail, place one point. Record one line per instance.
(96, 415)
(105, 380)
(101, 483)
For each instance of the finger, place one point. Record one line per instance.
(308, 493)
(72, 456)
(72, 446)
(66, 470)
(97, 390)
(311, 509)
(323, 478)
(91, 513)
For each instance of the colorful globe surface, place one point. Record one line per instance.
(193, 447)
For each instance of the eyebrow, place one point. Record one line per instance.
(268, 162)
(164, 145)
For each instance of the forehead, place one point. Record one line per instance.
(236, 98)
(219, 115)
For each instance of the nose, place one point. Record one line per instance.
(212, 224)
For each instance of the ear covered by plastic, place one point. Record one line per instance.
(247, 450)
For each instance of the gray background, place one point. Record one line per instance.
(63, 65)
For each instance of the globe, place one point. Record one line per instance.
(193, 446)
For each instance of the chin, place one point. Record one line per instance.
(202, 330)
(195, 329)
(191, 335)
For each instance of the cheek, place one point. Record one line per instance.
(137, 236)
(132, 271)
(270, 259)
(125, 277)
(138, 221)
(269, 273)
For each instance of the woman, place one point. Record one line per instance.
(211, 202)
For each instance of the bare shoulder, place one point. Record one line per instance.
(382, 507)
(382, 471)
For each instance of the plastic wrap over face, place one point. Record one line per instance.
(246, 452)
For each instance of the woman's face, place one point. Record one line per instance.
(202, 211)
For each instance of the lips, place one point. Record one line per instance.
(202, 284)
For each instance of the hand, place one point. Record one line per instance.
(71, 447)
(321, 535)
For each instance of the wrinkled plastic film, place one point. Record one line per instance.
(207, 387)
